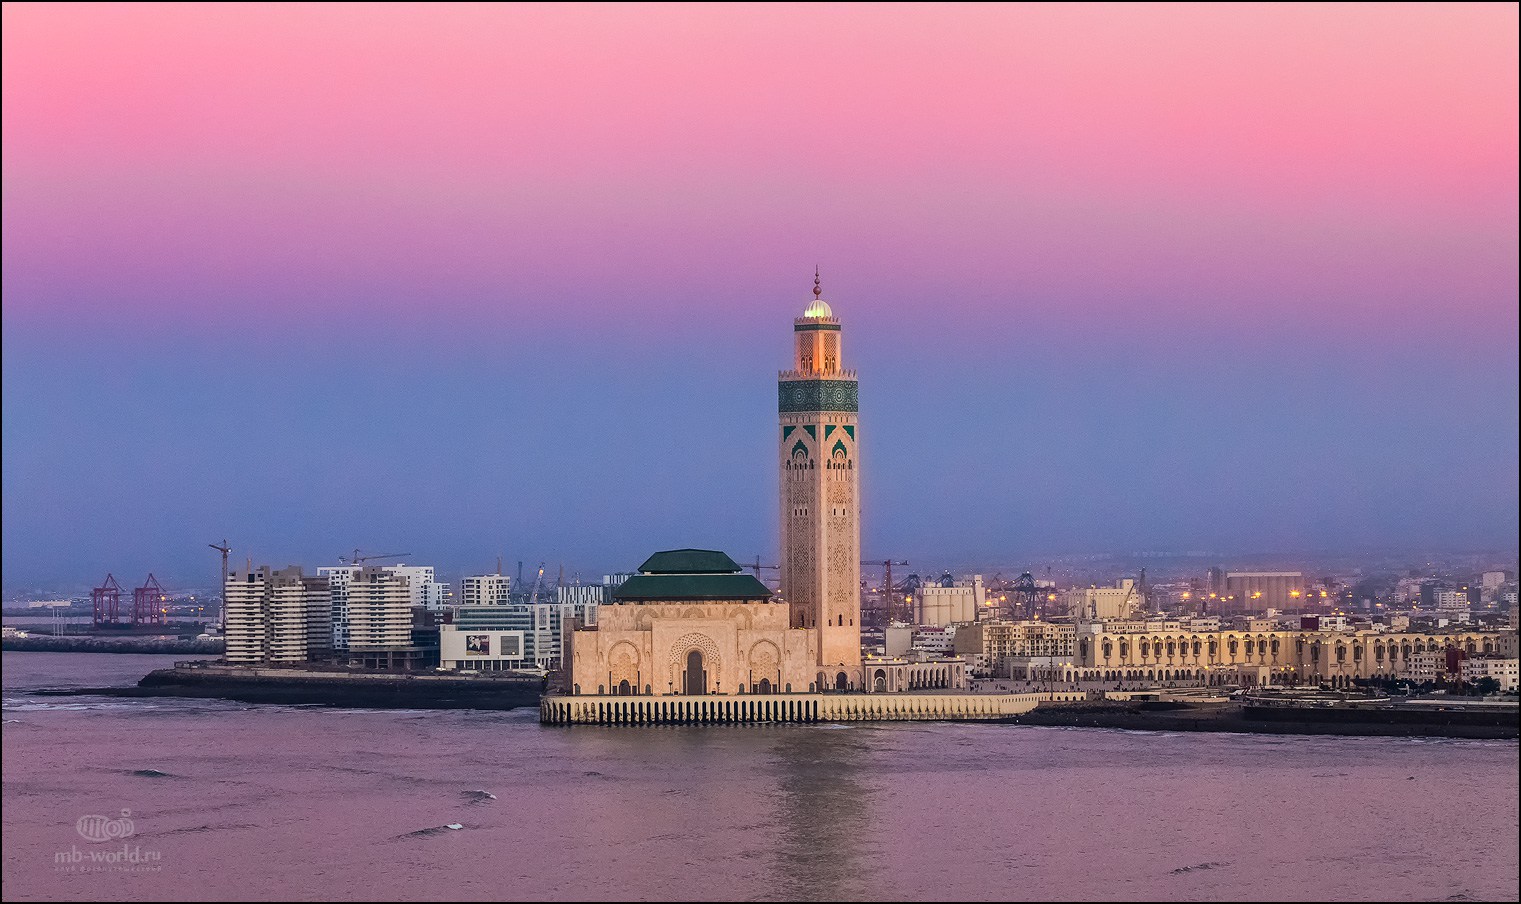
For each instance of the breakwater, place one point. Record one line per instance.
(41, 643)
(380, 690)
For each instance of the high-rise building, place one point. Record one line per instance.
(276, 616)
(338, 578)
(485, 590)
(821, 490)
(379, 610)
(425, 591)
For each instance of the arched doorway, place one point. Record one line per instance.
(841, 681)
(623, 688)
(880, 681)
(695, 680)
(763, 686)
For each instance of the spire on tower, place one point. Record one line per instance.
(816, 290)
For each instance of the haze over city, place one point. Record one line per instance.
(1188, 278)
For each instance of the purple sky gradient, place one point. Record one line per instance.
(477, 280)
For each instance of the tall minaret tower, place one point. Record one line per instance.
(821, 493)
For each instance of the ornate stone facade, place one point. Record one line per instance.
(820, 484)
(690, 623)
(742, 647)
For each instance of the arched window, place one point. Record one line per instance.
(1145, 645)
(1196, 646)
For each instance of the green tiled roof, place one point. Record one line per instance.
(689, 561)
(692, 587)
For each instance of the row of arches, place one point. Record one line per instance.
(1268, 649)
(677, 711)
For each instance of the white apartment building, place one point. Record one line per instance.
(485, 590)
(338, 578)
(276, 616)
(426, 592)
(379, 610)
(933, 641)
(1505, 671)
(1451, 600)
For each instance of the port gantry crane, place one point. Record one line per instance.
(887, 610)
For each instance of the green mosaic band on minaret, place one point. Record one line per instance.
(817, 395)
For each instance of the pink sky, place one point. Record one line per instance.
(1323, 161)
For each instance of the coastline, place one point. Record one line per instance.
(1233, 718)
(310, 687)
(41, 643)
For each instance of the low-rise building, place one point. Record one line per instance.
(1104, 603)
(1506, 671)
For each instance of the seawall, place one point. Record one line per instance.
(557, 709)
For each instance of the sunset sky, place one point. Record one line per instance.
(477, 280)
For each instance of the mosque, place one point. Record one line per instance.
(692, 626)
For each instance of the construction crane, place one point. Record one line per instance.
(756, 566)
(537, 583)
(224, 549)
(357, 559)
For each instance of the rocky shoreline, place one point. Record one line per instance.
(38, 643)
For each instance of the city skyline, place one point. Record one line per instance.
(334, 291)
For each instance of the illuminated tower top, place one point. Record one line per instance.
(817, 335)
